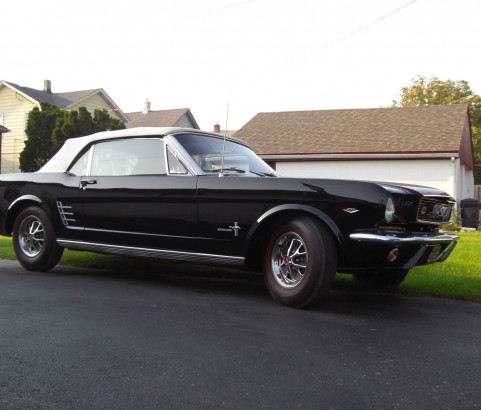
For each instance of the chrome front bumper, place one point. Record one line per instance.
(390, 239)
(424, 248)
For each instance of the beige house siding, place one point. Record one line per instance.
(97, 102)
(15, 109)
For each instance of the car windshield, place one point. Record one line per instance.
(206, 151)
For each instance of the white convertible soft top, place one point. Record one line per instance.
(73, 146)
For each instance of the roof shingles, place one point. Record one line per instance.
(377, 130)
(161, 118)
(60, 100)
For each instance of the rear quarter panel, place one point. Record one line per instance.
(17, 190)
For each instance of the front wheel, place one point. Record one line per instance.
(34, 240)
(300, 262)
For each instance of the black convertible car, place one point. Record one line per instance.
(192, 196)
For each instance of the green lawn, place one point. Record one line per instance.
(457, 278)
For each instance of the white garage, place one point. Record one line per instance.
(429, 145)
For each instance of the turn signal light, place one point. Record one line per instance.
(392, 256)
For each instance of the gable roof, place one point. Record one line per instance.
(62, 100)
(429, 129)
(160, 118)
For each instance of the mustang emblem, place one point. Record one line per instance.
(231, 228)
(235, 228)
(351, 210)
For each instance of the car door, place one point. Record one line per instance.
(228, 207)
(130, 199)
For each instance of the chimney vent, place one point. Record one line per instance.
(217, 128)
(47, 86)
(146, 106)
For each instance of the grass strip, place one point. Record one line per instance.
(457, 278)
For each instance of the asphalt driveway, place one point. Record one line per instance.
(86, 339)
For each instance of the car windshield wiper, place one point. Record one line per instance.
(235, 169)
(243, 171)
(266, 174)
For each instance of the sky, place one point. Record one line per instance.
(227, 60)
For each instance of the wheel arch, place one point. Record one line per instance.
(263, 225)
(16, 206)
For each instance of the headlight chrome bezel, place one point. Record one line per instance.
(390, 211)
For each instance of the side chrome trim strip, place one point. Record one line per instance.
(191, 257)
(136, 233)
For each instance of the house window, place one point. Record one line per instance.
(25, 119)
(1, 118)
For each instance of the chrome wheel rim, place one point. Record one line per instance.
(31, 236)
(289, 260)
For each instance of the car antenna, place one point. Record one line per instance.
(221, 174)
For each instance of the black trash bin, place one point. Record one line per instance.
(470, 212)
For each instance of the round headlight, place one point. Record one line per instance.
(389, 211)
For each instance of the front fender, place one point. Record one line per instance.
(301, 209)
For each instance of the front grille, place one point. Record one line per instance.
(434, 210)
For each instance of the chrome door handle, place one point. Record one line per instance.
(85, 182)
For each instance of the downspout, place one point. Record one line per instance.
(454, 161)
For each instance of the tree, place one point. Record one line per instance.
(78, 123)
(437, 92)
(48, 127)
(38, 147)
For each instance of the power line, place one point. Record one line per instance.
(223, 8)
(370, 24)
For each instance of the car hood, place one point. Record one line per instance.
(411, 189)
(391, 187)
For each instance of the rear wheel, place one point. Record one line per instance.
(34, 240)
(300, 262)
(383, 279)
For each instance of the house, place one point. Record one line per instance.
(17, 101)
(181, 117)
(429, 145)
(3, 130)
